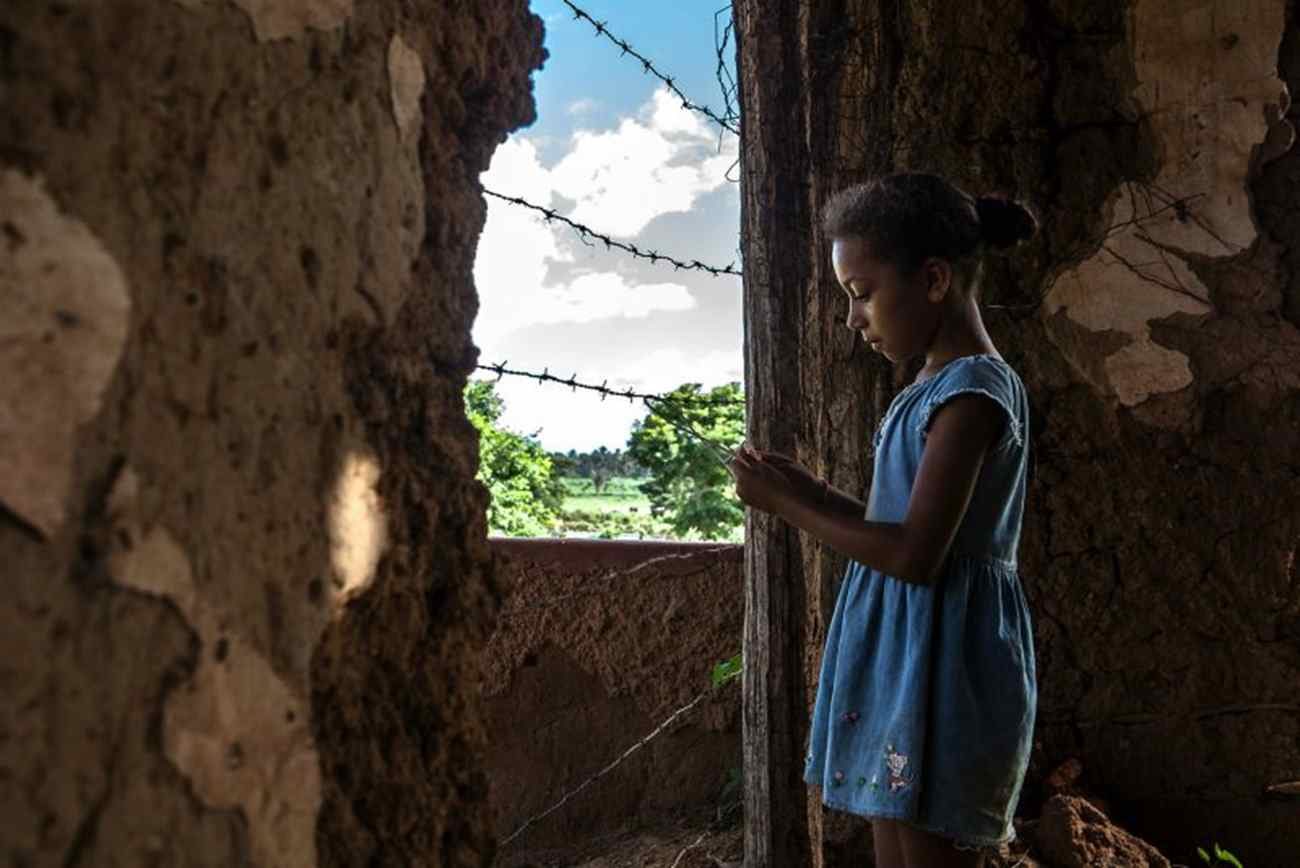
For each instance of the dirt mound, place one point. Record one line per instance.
(1074, 833)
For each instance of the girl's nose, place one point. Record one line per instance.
(856, 320)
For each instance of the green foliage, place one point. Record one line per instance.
(599, 465)
(606, 524)
(1221, 857)
(726, 670)
(525, 494)
(689, 488)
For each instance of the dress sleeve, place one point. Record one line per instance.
(980, 375)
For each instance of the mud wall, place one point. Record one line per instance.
(597, 645)
(1154, 320)
(245, 562)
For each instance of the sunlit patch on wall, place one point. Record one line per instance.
(358, 526)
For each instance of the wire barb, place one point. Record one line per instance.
(585, 232)
(573, 383)
(683, 426)
(602, 29)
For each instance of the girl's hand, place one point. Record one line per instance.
(805, 486)
(766, 481)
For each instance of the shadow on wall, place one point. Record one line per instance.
(599, 642)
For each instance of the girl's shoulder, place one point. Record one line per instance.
(983, 374)
(979, 362)
(982, 368)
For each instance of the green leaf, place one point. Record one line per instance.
(1224, 856)
(688, 486)
(726, 670)
(1204, 856)
(524, 493)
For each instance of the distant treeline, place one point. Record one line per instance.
(599, 465)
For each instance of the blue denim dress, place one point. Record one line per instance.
(926, 698)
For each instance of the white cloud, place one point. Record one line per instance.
(658, 163)
(516, 171)
(516, 247)
(582, 106)
(604, 295)
(669, 367)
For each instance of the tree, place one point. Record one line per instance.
(600, 465)
(524, 493)
(689, 487)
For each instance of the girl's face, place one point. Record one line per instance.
(897, 316)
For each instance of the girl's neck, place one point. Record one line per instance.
(961, 332)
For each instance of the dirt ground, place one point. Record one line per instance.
(682, 842)
(707, 837)
(1072, 831)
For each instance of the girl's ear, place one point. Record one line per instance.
(938, 278)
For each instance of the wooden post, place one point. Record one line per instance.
(773, 215)
(814, 392)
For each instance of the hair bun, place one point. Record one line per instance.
(1004, 222)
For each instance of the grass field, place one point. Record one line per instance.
(619, 511)
(621, 494)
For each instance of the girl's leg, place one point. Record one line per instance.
(927, 850)
(887, 845)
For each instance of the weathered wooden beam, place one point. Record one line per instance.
(773, 217)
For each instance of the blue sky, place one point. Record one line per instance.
(613, 150)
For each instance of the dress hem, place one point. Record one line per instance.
(979, 842)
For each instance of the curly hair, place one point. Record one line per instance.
(912, 216)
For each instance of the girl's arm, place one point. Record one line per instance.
(819, 491)
(844, 504)
(913, 550)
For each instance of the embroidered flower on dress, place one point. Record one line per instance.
(896, 763)
(849, 717)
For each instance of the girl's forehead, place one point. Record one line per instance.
(852, 256)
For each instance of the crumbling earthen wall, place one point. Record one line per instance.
(599, 644)
(244, 556)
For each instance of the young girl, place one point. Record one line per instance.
(925, 704)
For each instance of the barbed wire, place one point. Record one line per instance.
(667, 407)
(654, 256)
(603, 389)
(726, 81)
(613, 580)
(648, 67)
(682, 425)
(672, 718)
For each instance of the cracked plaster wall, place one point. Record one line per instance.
(1207, 86)
(236, 480)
